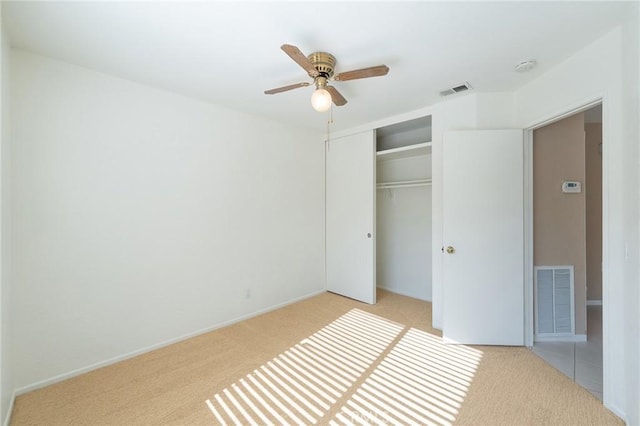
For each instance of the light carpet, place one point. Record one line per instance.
(324, 360)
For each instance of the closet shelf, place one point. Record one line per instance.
(403, 184)
(415, 150)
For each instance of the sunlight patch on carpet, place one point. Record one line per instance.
(300, 385)
(365, 368)
(421, 381)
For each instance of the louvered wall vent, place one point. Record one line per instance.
(460, 88)
(554, 301)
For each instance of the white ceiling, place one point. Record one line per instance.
(228, 53)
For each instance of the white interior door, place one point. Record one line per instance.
(483, 224)
(350, 216)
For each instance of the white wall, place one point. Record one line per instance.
(403, 228)
(631, 169)
(6, 373)
(141, 217)
(592, 73)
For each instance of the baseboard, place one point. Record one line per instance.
(569, 338)
(594, 302)
(401, 293)
(617, 411)
(119, 358)
(7, 419)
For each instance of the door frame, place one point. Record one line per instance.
(528, 223)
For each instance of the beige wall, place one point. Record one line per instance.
(593, 193)
(559, 218)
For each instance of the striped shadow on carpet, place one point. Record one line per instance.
(359, 369)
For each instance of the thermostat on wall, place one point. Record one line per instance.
(571, 186)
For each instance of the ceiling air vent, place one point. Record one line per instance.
(459, 88)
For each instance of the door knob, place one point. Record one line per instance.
(451, 250)
(368, 234)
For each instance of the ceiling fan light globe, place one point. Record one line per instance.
(321, 100)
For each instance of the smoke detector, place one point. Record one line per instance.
(525, 66)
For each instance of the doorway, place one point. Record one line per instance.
(567, 237)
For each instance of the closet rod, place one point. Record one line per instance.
(403, 184)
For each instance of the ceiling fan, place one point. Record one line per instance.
(321, 66)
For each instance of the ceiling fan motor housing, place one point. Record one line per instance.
(324, 62)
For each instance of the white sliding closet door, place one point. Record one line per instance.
(350, 216)
(484, 233)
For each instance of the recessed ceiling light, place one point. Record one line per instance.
(525, 66)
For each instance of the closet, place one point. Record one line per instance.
(378, 224)
(403, 208)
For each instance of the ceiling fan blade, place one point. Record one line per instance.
(285, 88)
(336, 97)
(362, 73)
(295, 54)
